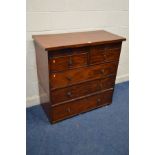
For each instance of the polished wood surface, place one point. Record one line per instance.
(70, 77)
(100, 54)
(83, 89)
(82, 105)
(43, 78)
(68, 51)
(76, 71)
(68, 62)
(78, 39)
(79, 57)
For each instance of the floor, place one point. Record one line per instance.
(103, 131)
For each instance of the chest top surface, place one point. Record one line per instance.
(76, 39)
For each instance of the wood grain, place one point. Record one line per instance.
(77, 39)
(76, 71)
(67, 62)
(43, 79)
(79, 106)
(70, 77)
(83, 89)
(105, 53)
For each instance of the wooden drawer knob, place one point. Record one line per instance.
(68, 78)
(104, 55)
(98, 101)
(102, 71)
(68, 110)
(70, 63)
(69, 94)
(100, 86)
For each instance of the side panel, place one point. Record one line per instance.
(43, 77)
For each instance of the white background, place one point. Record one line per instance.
(13, 77)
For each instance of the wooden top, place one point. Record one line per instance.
(76, 39)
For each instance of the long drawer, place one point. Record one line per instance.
(75, 91)
(70, 77)
(69, 109)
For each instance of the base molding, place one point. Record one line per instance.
(123, 78)
(34, 100)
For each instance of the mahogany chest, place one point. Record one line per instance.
(76, 71)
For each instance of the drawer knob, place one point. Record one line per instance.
(69, 78)
(100, 85)
(98, 100)
(70, 63)
(102, 71)
(69, 94)
(68, 110)
(104, 55)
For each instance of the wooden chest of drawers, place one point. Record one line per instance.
(76, 71)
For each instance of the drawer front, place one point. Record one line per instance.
(97, 54)
(70, 77)
(67, 62)
(112, 54)
(104, 53)
(72, 108)
(75, 91)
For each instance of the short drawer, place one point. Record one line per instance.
(71, 77)
(112, 54)
(75, 91)
(69, 61)
(104, 53)
(66, 110)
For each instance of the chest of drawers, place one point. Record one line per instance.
(76, 71)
